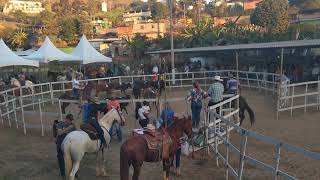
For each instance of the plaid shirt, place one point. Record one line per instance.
(215, 92)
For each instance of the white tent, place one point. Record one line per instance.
(9, 58)
(48, 52)
(88, 54)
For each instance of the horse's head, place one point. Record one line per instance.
(187, 126)
(116, 116)
(14, 82)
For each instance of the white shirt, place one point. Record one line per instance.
(155, 69)
(315, 70)
(146, 109)
(75, 84)
(141, 114)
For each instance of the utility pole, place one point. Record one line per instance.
(170, 3)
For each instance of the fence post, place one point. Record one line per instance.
(305, 99)
(215, 136)
(15, 113)
(243, 148)
(41, 118)
(51, 93)
(276, 168)
(1, 115)
(8, 114)
(292, 97)
(60, 110)
(227, 148)
(22, 115)
(318, 107)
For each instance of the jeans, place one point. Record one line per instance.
(116, 125)
(99, 130)
(143, 122)
(60, 154)
(196, 111)
(75, 93)
(178, 157)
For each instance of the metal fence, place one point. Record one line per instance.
(237, 171)
(49, 92)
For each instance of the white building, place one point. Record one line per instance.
(137, 17)
(104, 7)
(29, 7)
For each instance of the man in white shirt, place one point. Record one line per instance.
(155, 69)
(143, 113)
(75, 87)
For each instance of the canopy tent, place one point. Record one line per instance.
(88, 54)
(48, 52)
(9, 58)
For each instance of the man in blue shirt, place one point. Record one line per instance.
(167, 115)
(232, 85)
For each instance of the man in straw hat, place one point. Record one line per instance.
(215, 91)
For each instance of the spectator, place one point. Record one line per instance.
(101, 73)
(115, 104)
(232, 85)
(195, 96)
(215, 92)
(166, 116)
(76, 87)
(143, 113)
(155, 69)
(63, 129)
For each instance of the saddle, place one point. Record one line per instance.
(90, 130)
(158, 140)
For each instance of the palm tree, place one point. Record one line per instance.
(197, 34)
(18, 39)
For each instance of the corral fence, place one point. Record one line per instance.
(237, 171)
(20, 99)
(219, 120)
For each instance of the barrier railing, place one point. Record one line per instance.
(301, 96)
(237, 172)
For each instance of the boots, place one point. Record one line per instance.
(178, 171)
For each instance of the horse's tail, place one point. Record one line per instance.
(67, 158)
(249, 110)
(124, 163)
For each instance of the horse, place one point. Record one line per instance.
(243, 105)
(16, 83)
(135, 150)
(137, 87)
(77, 143)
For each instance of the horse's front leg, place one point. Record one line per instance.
(103, 170)
(166, 169)
(97, 165)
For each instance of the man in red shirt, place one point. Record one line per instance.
(113, 104)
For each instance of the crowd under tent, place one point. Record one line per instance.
(10, 60)
(48, 53)
(88, 54)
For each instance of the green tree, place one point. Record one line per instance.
(138, 45)
(115, 16)
(158, 11)
(18, 39)
(68, 29)
(272, 15)
(48, 24)
(196, 35)
(20, 16)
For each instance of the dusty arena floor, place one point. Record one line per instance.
(33, 157)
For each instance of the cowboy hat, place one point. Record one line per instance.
(150, 127)
(96, 100)
(217, 78)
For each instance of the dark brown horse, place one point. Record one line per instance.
(135, 150)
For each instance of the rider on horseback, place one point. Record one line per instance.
(63, 128)
(94, 109)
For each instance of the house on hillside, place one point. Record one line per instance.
(151, 30)
(29, 7)
(137, 17)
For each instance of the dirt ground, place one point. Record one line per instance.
(24, 157)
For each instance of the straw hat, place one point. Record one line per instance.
(218, 78)
(150, 127)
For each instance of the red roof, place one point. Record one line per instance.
(124, 30)
(251, 5)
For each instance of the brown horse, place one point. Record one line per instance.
(135, 150)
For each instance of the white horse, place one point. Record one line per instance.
(29, 84)
(77, 143)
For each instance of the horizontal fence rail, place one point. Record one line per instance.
(237, 172)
